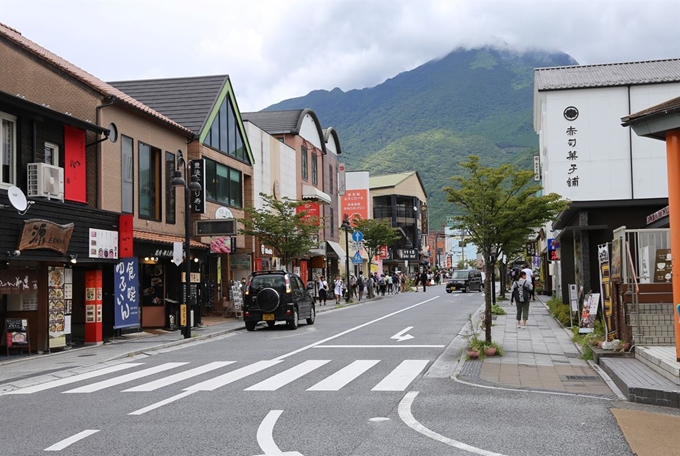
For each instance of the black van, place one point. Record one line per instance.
(465, 280)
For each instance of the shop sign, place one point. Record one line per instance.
(103, 244)
(43, 234)
(658, 215)
(240, 262)
(407, 254)
(126, 284)
(125, 235)
(198, 196)
(18, 281)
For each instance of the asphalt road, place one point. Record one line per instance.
(370, 379)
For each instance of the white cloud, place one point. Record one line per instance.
(275, 49)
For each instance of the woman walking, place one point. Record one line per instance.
(339, 285)
(521, 294)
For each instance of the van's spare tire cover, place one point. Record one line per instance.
(268, 300)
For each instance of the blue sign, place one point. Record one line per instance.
(356, 259)
(552, 245)
(126, 295)
(357, 236)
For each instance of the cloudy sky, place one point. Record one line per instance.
(278, 49)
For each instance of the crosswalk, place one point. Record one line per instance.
(336, 376)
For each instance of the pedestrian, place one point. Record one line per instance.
(382, 284)
(370, 285)
(424, 279)
(530, 277)
(388, 281)
(323, 290)
(521, 291)
(339, 285)
(352, 286)
(360, 284)
(514, 279)
(395, 283)
(403, 278)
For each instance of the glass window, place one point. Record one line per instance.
(215, 132)
(235, 188)
(170, 212)
(305, 171)
(127, 176)
(223, 127)
(332, 221)
(8, 152)
(330, 179)
(210, 180)
(315, 170)
(231, 150)
(223, 184)
(51, 154)
(149, 182)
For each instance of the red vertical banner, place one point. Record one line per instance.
(93, 307)
(75, 175)
(125, 236)
(303, 271)
(355, 205)
(257, 264)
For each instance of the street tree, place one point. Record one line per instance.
(278, 225)
(376, 234)
(497, 204)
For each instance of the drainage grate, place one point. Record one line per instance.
(572, 355)
(579, 378)
(471, 368)
(86, 355)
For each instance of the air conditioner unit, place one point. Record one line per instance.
(45, 181)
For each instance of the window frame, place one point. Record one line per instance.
(213, 169)
(54, 153)
(315, 169)
(170, 190)
(14, 154)
(157, 172)
(304, 165)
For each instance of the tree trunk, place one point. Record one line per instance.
(487, 299)
(502, 273)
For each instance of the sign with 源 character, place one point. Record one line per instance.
(43, 234)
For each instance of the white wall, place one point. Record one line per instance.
(604, 148)
(308, 131)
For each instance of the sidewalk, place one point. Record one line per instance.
(540, 356)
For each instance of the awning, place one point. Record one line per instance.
(337, 249)
(169, 239)
(313, 193)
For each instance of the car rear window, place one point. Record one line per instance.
(460, 275)
(265, 281)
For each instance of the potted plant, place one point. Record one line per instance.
(623, 346)
(474, 348)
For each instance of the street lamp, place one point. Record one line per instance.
(194, 186)
(346, 226)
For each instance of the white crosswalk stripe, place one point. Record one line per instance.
(287, 376)
(397, 380)
(344, 376)
(156, 384)
(238, 374)
(125, 378)
(402, 376)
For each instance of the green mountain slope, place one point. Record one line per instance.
(432, 117)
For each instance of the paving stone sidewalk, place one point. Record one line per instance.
(540, 356)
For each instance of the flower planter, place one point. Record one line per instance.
(490, 351)
(473, 354)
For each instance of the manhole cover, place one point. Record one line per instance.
(579, 378)
(86, 355)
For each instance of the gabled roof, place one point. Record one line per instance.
(284, 122)
(607, 75)
(392, 180)
(187, 101)
(667, 107)
(81, 75)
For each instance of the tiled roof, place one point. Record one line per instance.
(81, 75)
(187, 101)
(607, 75)
(388, 180)
(164, 239)
(662, 108)
(276, 122)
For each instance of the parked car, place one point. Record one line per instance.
(273, 296)
(465, 280)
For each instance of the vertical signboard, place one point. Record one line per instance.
(537, 168)
(126, 284)
(56, 307)
(125, 235)
(342, 183)
(355, 205)
(93, 307)
(197, 198)
(605, 289)
(74, 164)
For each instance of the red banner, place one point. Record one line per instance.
(312, 211)
(74, 165)
(125, 236)
(355, 205)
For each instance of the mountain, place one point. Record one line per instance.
(430, 118)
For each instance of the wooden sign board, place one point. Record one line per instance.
(43, 234)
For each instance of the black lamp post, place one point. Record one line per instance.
(178, 181)
(346, 226)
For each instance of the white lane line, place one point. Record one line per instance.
(265, 436)
(71, 440)
(380, 346)
(156, 384)
(521, 390)
(124, 378)
(288, 376)
(402, 375)
(344, 375)
(408, 418)
(74, 379)
(169, 400)
(230, 377)
(295, 352)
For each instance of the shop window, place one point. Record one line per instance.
(150, 183)
(303, 167)
(127, 176)
(223, 184)
(8, 149)
(170, 212)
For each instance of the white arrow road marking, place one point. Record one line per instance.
(71, 440)
(265, 436)
(408, 418)
(400, 337)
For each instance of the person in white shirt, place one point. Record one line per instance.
(530, 278)
(323, 290)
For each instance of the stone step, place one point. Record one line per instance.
(661, 359)
(640, 383)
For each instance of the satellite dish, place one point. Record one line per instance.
(17, 198)
(113, 132)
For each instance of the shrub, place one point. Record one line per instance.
(497, 310)
(559, 310)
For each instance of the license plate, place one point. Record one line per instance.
(268, 317)
(453, 288)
